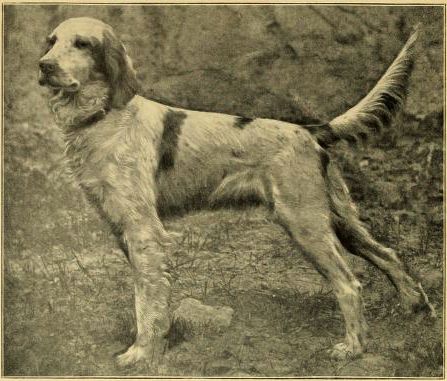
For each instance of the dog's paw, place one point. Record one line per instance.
(343, 351)
(150, 353)
(426, 305)
(134, 354)
(416, 301)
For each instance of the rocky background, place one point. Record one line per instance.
(68, 295)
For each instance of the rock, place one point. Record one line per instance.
(193, 318)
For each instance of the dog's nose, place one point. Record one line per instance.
(47, 66)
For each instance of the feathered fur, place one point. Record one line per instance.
(73, 109)
(119, 71)
(377, 109)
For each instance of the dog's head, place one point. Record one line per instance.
(83, 50)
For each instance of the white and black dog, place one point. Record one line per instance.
(136, 158)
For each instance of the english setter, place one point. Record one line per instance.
(136, 158)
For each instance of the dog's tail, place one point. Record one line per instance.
(377, 109)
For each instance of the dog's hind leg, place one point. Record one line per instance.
(302, 208)
(356, 239)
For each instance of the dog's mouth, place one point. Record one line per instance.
(57, 86)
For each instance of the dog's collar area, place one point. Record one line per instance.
(92, 119)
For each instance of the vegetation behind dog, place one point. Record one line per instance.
(68, 294)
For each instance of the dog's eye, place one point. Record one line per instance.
(51, 40)
(49, 43)
(81, 44)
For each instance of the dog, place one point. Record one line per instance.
(136, 159)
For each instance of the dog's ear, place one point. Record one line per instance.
(119, 71)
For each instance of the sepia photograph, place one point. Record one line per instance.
(223, 190)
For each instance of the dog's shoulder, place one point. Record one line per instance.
(146, 110)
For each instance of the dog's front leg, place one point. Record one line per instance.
(152, 293)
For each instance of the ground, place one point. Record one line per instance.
(68, 293)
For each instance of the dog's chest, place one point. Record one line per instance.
(87, 162)
(107, 160)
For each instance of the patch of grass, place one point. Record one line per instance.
(285, 317)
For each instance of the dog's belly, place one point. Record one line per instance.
(216, 189)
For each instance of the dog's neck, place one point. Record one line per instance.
(83, 108)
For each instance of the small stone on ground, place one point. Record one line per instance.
(194, 318)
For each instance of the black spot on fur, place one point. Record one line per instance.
(323, 133)
(242, 121)
(169, 141)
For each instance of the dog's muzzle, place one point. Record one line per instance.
(48, 77)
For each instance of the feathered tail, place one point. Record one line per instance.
(377, 109)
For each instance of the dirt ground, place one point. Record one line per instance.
(67, 289)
